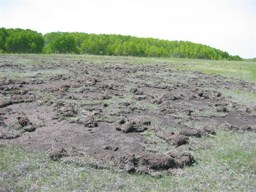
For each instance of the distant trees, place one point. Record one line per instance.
(3, 35)
(28, 41)
(60, 43)
(20, 41)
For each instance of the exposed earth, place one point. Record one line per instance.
(138, 118)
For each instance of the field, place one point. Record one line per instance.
(102, 123)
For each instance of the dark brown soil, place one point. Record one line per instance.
(107, 109)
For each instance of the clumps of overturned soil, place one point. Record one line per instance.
(127, 125)
(15, 127)
(197, 132)
(57, 154)
(132, 116)
(69, 110)
(90, 121)
(149, 163)
(173, 138)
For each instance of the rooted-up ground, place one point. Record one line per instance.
(138, 118)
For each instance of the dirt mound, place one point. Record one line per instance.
(173, 138)
(197, 132)
(57, 154)
(132, 124)
(148, 163)
(14, 128)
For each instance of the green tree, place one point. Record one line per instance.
(23, 41)
(61, 43)
(3, 36)
(103, 44)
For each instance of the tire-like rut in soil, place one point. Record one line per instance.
(139, 118)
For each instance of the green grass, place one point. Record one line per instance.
(245, 70)
(228, 163)
(154, 143)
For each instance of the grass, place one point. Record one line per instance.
(245, 70)
(154, 143)
(210, 113)
(241, 96)
(227, 164)
(39, 74)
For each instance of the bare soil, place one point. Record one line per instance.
(115, 111)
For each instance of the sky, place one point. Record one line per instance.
(229, 25)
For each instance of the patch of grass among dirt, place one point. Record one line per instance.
(241, 96)
(154, 143)
(39, 75)
(229, 164)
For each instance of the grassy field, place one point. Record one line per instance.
(225, 161)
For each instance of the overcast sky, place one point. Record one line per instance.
(229, 25)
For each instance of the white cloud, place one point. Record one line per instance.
(225, 24)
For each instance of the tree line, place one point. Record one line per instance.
(20, 41)
(28, 41)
